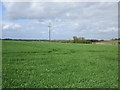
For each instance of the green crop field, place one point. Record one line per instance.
(37, 64)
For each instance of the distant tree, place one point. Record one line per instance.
(75, 39)
(101, 40)
(81, 38)
(115, 39)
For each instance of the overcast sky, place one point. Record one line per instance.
(83, 19)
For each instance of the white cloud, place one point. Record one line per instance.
(61, 1)
(8, 26)
(112, 29)
(72, 18)
(54, 10)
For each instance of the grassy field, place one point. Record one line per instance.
(59, 65)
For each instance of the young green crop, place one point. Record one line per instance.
(58, 65)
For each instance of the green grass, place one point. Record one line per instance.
(58, 65)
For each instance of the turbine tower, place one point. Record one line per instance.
(49, 28)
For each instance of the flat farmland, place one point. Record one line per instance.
(35, 64)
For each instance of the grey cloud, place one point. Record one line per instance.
(70, 18)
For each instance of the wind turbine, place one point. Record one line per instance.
(49, 29)
(48, 23)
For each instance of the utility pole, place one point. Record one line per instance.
(49, 28)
